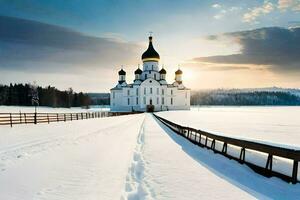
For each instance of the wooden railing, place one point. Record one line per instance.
(36, 118)
(209, 140)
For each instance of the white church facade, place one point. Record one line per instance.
(150, 90)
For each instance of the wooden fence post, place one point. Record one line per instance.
(269, 165)
(35, 121)
(295, 172)
(25, 118)
(57, 119)
(242, 155)
(10, 117)
(65, 119)
(48, 118)
(20, 118)
(224, 149)
(200, 138)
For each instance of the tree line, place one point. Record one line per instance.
(244, 98)
(21, 95)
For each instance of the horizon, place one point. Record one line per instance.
(219, 44)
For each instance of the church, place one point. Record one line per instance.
(149, 91)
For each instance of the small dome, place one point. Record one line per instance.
(150, 54)
(138, 71)
(122, 72)
(178, 72)
(162, 71)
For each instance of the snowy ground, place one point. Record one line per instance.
(129, 157)
(86, 159)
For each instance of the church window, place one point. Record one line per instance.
(144, 100)
(171, 92)
(162, 100)
(155, 76)
(128, 101)
(162, 91)
(157, 100)
(150, 90)
(128, 92)
(137, 101)
(157, 90)
(137, 91)
(171, 100)
(145, 91)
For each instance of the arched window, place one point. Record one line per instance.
(137, 101)
(155, 76)
(128, 101)
(171, 101)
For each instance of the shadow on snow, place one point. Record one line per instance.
(239, 175)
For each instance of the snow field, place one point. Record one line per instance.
(132, 157)
(86, 159)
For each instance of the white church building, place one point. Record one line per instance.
(149, 90)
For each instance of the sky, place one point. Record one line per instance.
(217, 44)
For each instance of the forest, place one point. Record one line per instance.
(283, 98)
(22, 95)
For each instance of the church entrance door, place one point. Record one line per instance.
(150, 108)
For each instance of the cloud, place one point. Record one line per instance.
(216, 5)
(31, 45)
(254, 13)
(275, 47)
(289, 4)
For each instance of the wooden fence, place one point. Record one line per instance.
(36, 118)
(209, 140)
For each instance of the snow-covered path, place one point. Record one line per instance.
(85, 159)
(166, 171)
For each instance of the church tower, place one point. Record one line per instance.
(150, 60)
